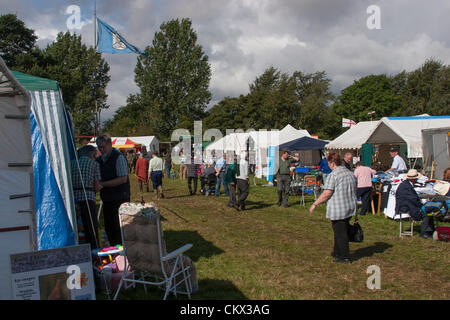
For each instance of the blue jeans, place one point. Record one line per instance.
(168, 172)
(221, 180)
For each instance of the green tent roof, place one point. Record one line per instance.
(33, 83)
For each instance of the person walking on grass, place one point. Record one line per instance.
(192, 173)
(340, 195)
(155, 174)
(242, 181)
(168, 164)
(283, 177)
(220, 167)
(141, 172)
(231, 171)
(183, 167)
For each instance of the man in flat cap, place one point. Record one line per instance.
(398, 164)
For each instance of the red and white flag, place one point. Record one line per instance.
(348, 123)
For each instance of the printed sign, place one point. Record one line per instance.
(55, 274)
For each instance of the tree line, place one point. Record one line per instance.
(81, 72)
(173, 82)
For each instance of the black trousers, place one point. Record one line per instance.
(111, 219)
(243, 188)
(89, 220)
(341, 243)
(189, 181)
(283, 185)
(232, 195)
(364, 193)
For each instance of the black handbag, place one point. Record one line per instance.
(355, 232)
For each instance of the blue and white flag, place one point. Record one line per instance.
(110, 41)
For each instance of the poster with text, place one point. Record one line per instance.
(55, 274)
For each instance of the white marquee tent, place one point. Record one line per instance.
(259, 143)
(407, 130)
(354, 137)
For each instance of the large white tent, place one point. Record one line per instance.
(406, 130)
(258, 144)
(354, 137)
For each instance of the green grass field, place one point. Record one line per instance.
(276, 253)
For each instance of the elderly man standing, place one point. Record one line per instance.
(347, 161)
(155, 173)
(220, 167)
(242, 181)
(115, 186)
(284, 177)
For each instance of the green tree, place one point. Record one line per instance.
(314, 99)
(367, 94)
(83, 76)
(130, 120)
(174, 78)
(424, 90)
(15, 39)
(277, 99)
(227, 114)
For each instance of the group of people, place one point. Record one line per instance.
(107, 174)
(227, 170)
(343, 185)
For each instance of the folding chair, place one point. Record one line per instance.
(295, 185)
(145, 254)
(403, 232)
(309, 186)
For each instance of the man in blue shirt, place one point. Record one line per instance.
(324, 169)
(220, 167)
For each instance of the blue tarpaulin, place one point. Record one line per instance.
(53, 149)
(52, 223)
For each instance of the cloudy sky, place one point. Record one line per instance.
(244, 37)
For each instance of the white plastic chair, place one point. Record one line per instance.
(171, 274)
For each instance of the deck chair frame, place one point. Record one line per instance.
(164, 281)
(306, 186)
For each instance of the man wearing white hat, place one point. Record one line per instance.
(407, 201)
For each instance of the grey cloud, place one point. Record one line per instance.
(243, 37)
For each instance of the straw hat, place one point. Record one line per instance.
(413, 174)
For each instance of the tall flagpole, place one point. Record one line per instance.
(97, 124)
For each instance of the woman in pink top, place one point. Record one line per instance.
(364, 176)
